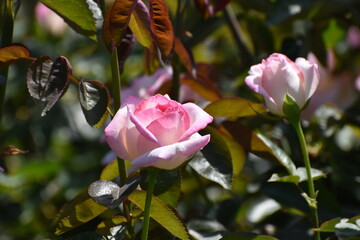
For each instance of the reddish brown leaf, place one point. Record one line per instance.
(11, 150)
(116, 22)
(12, 53)
(161, 26)
(185, 56)
(204, 7)
(220, 5)
(124, 49)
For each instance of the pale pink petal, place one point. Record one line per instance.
(172, 156)
(168, 129)
(143, 130)
(198, 120)
(149, 115)
(311, 76)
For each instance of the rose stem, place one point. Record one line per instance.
(117, 100)
(7, 26)
(312, 203)
(149, 193)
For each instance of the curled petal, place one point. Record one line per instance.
(198, 120)
(172, 156)
(311, 76)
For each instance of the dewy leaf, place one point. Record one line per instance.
(105, 192)
(234, 107)
(161, 214)
(94, 99)
(161, 26)
(259, 145)
(77, 212)
(12, 53)
(140, 24)
(116, 22)
(214, 160)
(80, 15)
(47, 81)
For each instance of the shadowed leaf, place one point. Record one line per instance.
(329, 226)
(104, 227)
(94, 99)
(161, 26)
(161, 214)
(140, 24)
(151, 59)
(185, 56)
(80, 15)
(214, 160)
(47, 81)
(12, 53)
(259, 145)
(124, 49)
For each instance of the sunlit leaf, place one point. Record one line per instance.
(116, 22)
(277, 178)
(77, 212)
(234, 107)
(315, 174)
(47, 81)
(204, 91)
(161, 214)
(161, 26)
(110, 172)
(80, 15)
(329, 226)
(104, 227)
(140, 24)
(94, 100)
(12, 53)
(214, 160)
(259, 145)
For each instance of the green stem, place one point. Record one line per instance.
(149, 193)
(246, 56)
(312, 193)
(175, 89)
(116, 81)
(7, 27)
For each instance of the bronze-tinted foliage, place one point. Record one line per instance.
(124, 49)
(12, 53)
(47, 81)
(116, 22)
(161, 26)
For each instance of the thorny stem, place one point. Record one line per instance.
(312, 201)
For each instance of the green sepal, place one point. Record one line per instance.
(291, 109)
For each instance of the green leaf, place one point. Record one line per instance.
(110, 172)
(247, 236)
(277, 178)
(77, 212)
(161, 214)
(234, 107)
(80, 15)
(315, 174)
(104, 227)
(333, 34)
(94, 100)
(214, 160)
(259, 145)
(329, 226)
(12, 53)
(47, 81)
(167, 186)
(86, 236)
(140, 24)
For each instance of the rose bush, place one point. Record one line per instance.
(278, 76)
(157, 131)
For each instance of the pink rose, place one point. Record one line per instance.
(278, 76)
(157, 131)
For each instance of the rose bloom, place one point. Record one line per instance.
(157, 131)
(334, 88)
(278, 76)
